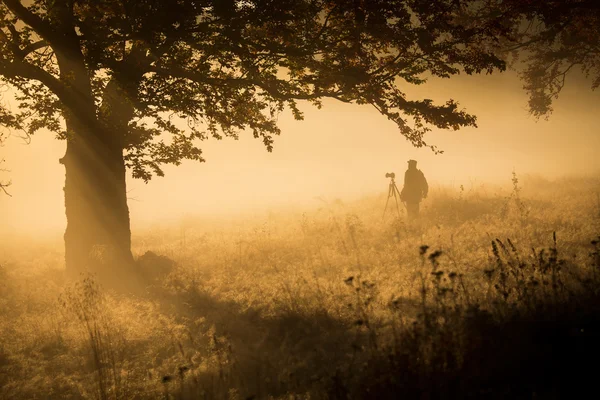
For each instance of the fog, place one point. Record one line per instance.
(341, 151)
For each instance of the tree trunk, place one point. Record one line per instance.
(98, 235)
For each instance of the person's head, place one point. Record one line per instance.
(412, 164)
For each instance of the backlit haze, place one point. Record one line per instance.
(341, 151)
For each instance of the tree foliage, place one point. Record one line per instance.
(194, 69)
(547, 41)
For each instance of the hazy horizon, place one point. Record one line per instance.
(341, 151)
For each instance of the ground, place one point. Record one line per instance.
(329, 302)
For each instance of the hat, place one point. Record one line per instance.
(412, 161)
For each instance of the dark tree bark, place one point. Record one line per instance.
(98, 230)
(98, 234)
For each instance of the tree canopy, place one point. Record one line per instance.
(547, 41)
(192, 69)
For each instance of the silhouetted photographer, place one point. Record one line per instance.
(415, 189)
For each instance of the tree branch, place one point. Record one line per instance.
(41, 27)
(34, 47)
(20, 69)
(14, 44)
(4, 185)
(267, 87)
(325, 23)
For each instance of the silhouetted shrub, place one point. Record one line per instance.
(154, 266)
(535, 333)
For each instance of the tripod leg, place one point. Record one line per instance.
(397, 207)
(397, 197)
(388, 200)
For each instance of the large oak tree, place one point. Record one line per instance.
(136, 84)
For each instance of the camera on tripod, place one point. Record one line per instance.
(392, 192)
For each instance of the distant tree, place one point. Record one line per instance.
(547, 41)
(138, 83)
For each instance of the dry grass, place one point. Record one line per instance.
(334, 302)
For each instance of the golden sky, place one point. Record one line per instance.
(341, 151)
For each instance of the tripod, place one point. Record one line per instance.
(392, 192)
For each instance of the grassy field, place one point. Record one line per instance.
(493, 293)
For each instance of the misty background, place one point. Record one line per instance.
(341, 151)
